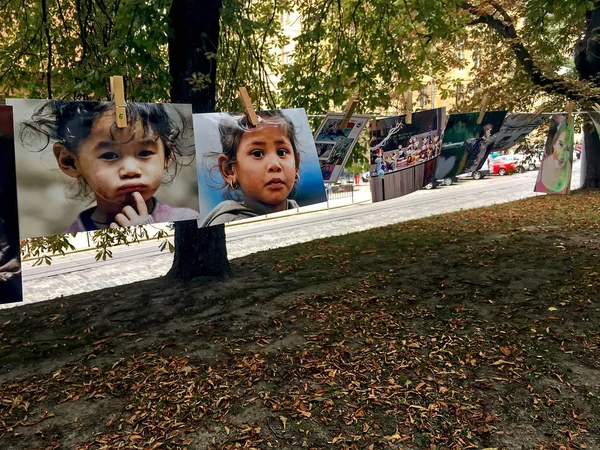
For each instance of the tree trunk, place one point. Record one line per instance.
(587, 62)
(195, 33)
(591, 149)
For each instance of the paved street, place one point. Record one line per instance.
(80, 272)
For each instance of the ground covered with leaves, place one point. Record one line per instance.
(478, 329)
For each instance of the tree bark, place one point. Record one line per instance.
(587, 63)
(194, 39)
(591, 148)
(587, 51)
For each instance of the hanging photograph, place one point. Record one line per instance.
(515, 128)
(10, 254)
(466, 143)
(76, 171)
(556, 167)
(403, 155)
(335, 145)
(246, 171)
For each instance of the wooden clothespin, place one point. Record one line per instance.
(408, 102)
(117, 90)
(569, 112)
(483, 108)
(596, 107)
(248, 108)
(373, 124)
(348, 110)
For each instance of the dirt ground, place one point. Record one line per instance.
(473, 330)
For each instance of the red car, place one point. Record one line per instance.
(502, 165)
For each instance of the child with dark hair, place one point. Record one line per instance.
(123, 167)
(259, 166)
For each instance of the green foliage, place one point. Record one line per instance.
(90, 41)
(250, 52)
(379, 49)
(383, 47)
(44, 248)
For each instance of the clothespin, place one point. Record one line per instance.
(348, 110)
(569, 112)
(482, 108)
(248, 108)
(537, 114)
(408, 103)
(596, 107)
(117, 90)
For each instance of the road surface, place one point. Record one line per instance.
(80, 272)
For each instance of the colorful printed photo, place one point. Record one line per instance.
(10, 255)
(556, 167)
(76, 171)
(329, 130)
(466, 143)
(246, 171)
(515, 128)
(396, 145)
(334, 145)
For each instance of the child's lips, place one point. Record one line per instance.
(129, 188)
(276, 183)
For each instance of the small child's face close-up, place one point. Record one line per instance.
(115, 166)
(265, 166)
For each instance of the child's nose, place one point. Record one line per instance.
(130, 168)
(274, 164)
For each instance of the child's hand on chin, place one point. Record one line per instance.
(129, 217)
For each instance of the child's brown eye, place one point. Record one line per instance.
(257, 153)
(109, 156)
(145, 154)
(283, 152)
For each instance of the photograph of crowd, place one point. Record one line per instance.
(396, 145)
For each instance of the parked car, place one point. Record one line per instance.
(522, 162)
(504, 164)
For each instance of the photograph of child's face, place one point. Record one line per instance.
(117, 163)
(555, 170)
(265, 166)
(559, 154)
(77, 171)
(246, 171)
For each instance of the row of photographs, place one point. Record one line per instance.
(76, 171)
(462, 145)
(73, 170)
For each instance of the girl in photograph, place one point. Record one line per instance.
(122, 168)
(259, 166)
(555, 170)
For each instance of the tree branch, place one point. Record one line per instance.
(506, 29)
(49, 42)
